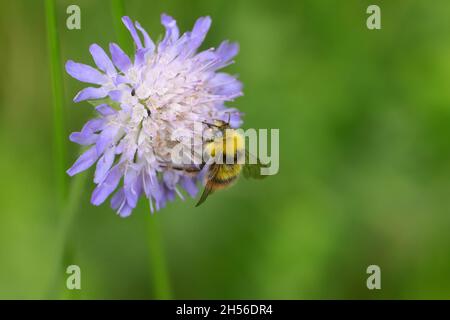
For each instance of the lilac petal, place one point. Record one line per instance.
(102, 60)
(172, 32)
(225, 53)
(105, 110)
(160, 200)
(203, 172)
(199, 32)
(149, 44)
(139, 57)
(120, 59)
(120, 146)
(169, 195)
(221, 79)
(83, 138)
(130, 26)
(146, 182)
(90, 93)
(106, 138)
(119, 203)
(235, 120)
(206, 56)
(170, 179)
(125, 211)
(227, 50)
(104, 189)
(132, 187)
(189, 185)
(170, 24)
(165, 196)
(153, 188)
(86, 160)
(117, 199)
(85, 73)
(104, 164)
(128, 152)
(116, 95)
(226, 85)
(87, 135)
(132, 196)
(94, 125)
(230, 91)
(120, 79)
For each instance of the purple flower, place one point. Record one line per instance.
(162, 90)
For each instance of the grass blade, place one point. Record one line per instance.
(67, 209)
(59, 133)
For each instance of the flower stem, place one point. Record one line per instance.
(58, 101)
(61, 240)
(159, 272)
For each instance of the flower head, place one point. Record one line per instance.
(146, 105)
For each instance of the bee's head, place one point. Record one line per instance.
(221, 124)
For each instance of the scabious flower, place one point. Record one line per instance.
(154, 100)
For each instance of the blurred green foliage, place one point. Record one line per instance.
(364, 119)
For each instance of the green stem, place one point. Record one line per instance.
(61, 241)
(58, 101)
(159, 272)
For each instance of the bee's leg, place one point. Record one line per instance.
(189, 169)
(211, 125)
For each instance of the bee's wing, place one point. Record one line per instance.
(209, 185)
(190, 170)
(253, 170)
(206, 192)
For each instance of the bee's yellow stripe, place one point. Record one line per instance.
(228, 171)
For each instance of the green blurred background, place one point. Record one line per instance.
(364, 119)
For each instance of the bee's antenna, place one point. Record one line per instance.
(229, 118)
(210, 124)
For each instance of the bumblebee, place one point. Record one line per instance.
(226, 158)
(229, 147)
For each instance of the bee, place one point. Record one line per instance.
(228, 145)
